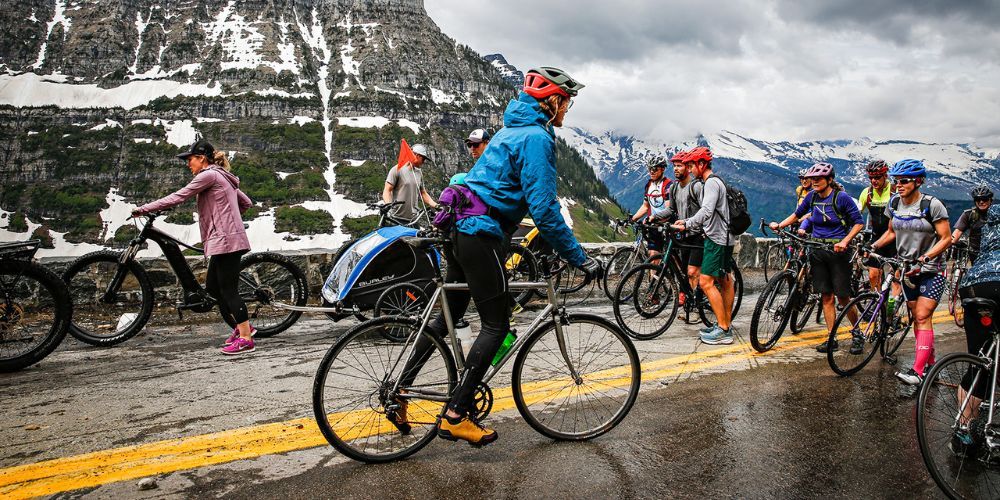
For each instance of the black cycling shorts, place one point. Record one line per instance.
(654, 239)
(692, 256)
(831, 272)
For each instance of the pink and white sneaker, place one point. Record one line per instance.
(239, 346)
(236, 334)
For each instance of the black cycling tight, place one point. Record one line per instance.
(976, 335)
(222, 283)
(478, 261)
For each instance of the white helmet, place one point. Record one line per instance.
(421, 150)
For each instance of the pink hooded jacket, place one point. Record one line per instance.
(220, 203)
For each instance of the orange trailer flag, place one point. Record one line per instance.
(406, 154)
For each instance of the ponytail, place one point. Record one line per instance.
(220, 159)
(550, 106)
(836, 185)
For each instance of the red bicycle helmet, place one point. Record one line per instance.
(679, 156)
(699, 153)
(876, 168)
(545, 81)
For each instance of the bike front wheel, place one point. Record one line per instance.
(112, 302)
(898, 326)
(34, 314)
(645, 303)
(952, 399)
(770, 315)
(353, 399)
(853, 342)
(559, 406)
(265, 280)
(619, 264)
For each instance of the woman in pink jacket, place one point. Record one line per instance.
(220, 203)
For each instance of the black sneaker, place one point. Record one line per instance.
(857, 345)
(824, 347)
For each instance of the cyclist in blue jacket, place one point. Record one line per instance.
(515, 176)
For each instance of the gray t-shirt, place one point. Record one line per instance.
(713, 216)
(406, 184)
(684, 199)
(914, 234)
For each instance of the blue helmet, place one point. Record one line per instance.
(458, 178)
(908, 168)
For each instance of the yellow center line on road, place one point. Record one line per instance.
(132, 462)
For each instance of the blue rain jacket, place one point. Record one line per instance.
(516, 175)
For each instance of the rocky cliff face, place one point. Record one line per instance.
(309, 97)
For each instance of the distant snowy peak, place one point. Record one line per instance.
(510, 74)
(610, 154)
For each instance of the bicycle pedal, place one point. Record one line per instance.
(891, 360)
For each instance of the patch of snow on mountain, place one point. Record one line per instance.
(180, 133)
(29, 89)
(376, 122)
(729, 145)
(282, 93)
(441, 97)
(58, 17)
(300, 120)
(564, 204)
(107, 123)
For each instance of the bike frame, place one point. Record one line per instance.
(992, 355)
(441, 298)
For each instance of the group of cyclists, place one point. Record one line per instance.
(514, 175)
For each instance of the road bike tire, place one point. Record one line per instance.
(801, 315)
(94, 319)
(895, 334)
(870, 322)
(520, 265)
(644, 306)
(350, 382)
(955, 302)
(772, 308)
(35, 311)
(609, 375)
(774, 259)
(705, 308)
(620, 263)
(266, 278)
(959, 475)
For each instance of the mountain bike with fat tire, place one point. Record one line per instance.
(35, 309)
(113, 299)
(575, 377)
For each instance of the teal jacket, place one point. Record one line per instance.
(516, 175)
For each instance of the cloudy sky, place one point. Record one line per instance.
(925, 70)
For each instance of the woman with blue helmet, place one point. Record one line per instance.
(918, 224)
(515, 176)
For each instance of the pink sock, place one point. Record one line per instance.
(925, 350)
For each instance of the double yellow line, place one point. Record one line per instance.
(132, 462)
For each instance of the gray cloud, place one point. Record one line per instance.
(776, 70)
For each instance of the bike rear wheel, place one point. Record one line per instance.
(645, 303)
(774, 260)
(770, 315)
(268, 278)
(352, 399)
(862, 335)
(961, 471)
(899, 326)
(34, 313)
(559, 407)
(521, 266)
(103, 318)
(955, 302)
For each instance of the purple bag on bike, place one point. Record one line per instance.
(457, 202)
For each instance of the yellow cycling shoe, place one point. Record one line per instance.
(466, 429)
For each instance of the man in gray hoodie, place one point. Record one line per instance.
(712, 219)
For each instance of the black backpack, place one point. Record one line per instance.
(739, 209)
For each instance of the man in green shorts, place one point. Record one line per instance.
(712, 219)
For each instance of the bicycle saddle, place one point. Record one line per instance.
(980, 303)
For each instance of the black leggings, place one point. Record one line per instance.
(976, 335)
(222, 284)
(478, 261)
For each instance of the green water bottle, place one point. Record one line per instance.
(508, 341)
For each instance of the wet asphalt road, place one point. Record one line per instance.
(780, 425)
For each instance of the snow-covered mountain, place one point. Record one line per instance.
(767, 170)
(512, 75)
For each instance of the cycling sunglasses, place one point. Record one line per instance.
(470, 144)
(876, 177)
(904, 180)
(983, 199)
(654, 169)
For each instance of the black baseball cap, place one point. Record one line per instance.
(203, 148)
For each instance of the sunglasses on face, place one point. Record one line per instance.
(471, 145)
(876, 177)
(904, 180)
(654, 169)
(982, 200)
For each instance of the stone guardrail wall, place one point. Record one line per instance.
(317, 264)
